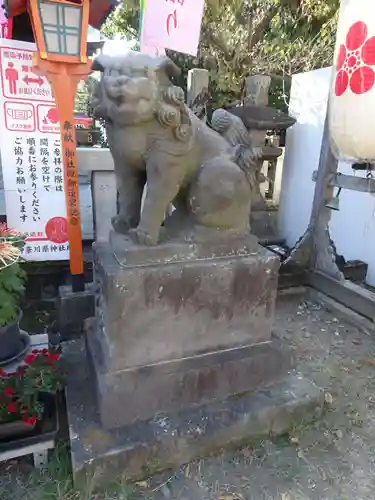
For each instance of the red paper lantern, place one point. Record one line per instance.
(352, 99)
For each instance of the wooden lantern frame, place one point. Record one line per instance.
(34, 7)
(64, 72)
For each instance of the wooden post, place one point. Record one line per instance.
(64, 90)
(314, 250)
(64, 78)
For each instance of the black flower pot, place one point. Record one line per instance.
(17, 435)
(16, 428)
(11, 342)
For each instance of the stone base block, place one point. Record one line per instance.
(174, 385)
(174, 301)
(74, 308)
(169, 440)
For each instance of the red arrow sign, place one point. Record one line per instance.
(38, 80)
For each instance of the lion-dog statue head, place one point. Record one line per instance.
(135, 88)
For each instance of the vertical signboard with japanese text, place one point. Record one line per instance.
(30, 149)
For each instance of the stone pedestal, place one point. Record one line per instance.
(179, 360)
(180, 325)
(168, 440)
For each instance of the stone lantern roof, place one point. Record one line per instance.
(263, 117)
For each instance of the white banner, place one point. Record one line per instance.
(30, 149)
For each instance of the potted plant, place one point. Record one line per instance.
(24, 393)
(12, 286)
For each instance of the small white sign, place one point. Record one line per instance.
(30, 148)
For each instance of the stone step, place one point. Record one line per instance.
(138, 450)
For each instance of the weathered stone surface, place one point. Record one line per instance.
(179, 324)
(263, 118)
(170, 440)
(197, 96)
(151, 313)
(263, 223)
(257, 90)
(128, 254)
(73, 308)
(182, 383)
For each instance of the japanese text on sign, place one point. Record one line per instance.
(172, 20)
(30, 148)
(71, 172)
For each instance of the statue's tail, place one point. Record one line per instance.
(233, 130)
(250, 161)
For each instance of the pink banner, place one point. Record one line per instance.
(151, 50)
(172, 24)
(3, 17)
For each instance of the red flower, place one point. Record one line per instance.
(354, 60)
(12, 407)
(52, 356)
(6, 231)
(29, 358)
(29, 420)
(35, 351)
(2, 372)
(9, 391)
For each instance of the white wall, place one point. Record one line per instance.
(353, 227)
(308, 104)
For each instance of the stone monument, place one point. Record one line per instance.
(184, 302)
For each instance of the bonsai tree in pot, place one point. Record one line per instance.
(12, 287)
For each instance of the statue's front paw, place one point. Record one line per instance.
(142, 237)
(120, 225)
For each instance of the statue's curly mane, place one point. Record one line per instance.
(172, 112)
(167, 101)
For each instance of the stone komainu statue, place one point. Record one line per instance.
(155, 138)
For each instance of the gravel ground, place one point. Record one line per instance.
(331, 459)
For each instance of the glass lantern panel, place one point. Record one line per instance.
(53, 43)
(72, 16)
(49, 13)
(73, 43)
(61, 25)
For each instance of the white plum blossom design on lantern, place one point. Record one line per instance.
(354, 60)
